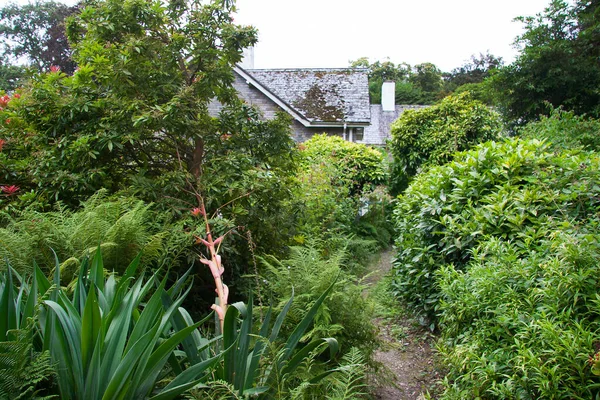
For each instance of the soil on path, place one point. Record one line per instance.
(406, 351)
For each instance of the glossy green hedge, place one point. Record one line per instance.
(356, 162)
(431, 136)
(506, 190)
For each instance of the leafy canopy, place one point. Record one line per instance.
(558, 64)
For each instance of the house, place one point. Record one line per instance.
(334, 101)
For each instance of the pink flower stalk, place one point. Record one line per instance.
(2, 143)
(214, 264)
(54, 68)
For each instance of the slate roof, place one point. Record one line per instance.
(322, 95)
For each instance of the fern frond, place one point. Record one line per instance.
(349, 382)
(22, 370)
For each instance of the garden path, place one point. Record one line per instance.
(406, 350)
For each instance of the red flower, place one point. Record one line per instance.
(54, 68)
(225, 136)
(7, 121)
(4, 100)
(2, 143)
(17, 96)
(9, 190)
(196, 211)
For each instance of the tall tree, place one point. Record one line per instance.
(558, 64)
(473, 71)
(135, 116)
(34, 33)
(414, 85)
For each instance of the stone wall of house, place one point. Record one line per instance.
(379, 131)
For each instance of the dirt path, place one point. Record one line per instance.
(406, 351)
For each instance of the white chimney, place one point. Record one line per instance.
(388, 96)
(248, 58)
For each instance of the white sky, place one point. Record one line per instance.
(329, 33)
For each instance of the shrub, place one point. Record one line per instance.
(121, 226)
(345, 314)
(523, 321)
(506, 190)
(356, 163)
(564, 130)
(431, 136)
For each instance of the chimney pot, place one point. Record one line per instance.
(388, 96)
(248, 58)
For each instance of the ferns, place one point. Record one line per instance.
(121, 226)
(22, 370)
(345, 314)
(349, 382)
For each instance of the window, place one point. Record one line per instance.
(359, 134)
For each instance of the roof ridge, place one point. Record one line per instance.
(306, 69)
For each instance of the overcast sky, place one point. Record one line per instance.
(329, 33)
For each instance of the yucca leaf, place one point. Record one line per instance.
(192, 373)
(152, 311)
(29, 310)
(7, 306)
(159, 357)
(97, 270)
(241, 351)
(109, 290)
(258, 350)
(230, 338)
(126, 366)
(131, 269)
(303, 353)
(90, 327)
(280, 318)
(93, 385)
(179, 323)
(41, 279)
(177, 390)
(80, 293)
(118, 321)
(176, 288)
(297, 334)
(71, 333)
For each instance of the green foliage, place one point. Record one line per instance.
(336, 179)
(113, 337)
(564, 130)
(134, 119)
(120, 226)
(505, 190)
(357, 163)
(35, 32)
(105, 345)
(522, 321)
(431, 136)
(11, 76)
(473, 72)
(557, 66)
(350, 380)
(419, 84)
(345, 314)
(23, 371)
